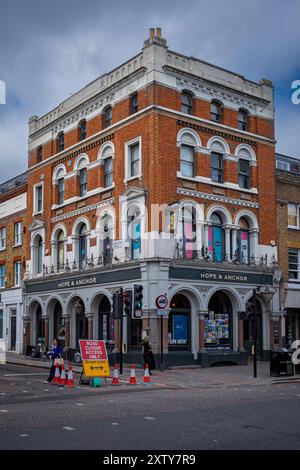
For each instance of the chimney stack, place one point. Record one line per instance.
(155, 38)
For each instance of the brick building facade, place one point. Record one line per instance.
(155, 173)
(288, 221)
(13, 226)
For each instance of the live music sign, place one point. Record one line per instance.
(94, 358)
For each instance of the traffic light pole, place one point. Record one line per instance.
(121, 334)
(254, 337)
(161, 343)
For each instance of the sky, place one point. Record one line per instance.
(49, 49)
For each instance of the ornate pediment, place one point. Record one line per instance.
(132, 193)
(37, 225)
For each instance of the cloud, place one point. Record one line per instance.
(50, 49)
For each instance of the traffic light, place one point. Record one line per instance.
(250, 310)
(117, 305)
(137, 310)
(127, 300)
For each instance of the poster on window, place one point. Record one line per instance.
(188, 235)
(244, 246)
(136, 242)
(180, 329)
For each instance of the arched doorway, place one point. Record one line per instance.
(218, 322)
(81, 321)
(179, 324)
(249, 331)
(106, 323)
(40, 326)
(58, 323)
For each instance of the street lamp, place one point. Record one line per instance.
(266, 292)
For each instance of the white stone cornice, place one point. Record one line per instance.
(217, 198)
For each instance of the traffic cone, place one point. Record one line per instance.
(132, 380)
(70, 380)
(146, 375)
(57, 374)
(115, 380)
(63, 379)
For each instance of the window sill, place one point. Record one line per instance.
(3, 249)
(17, 245)
(293, 227)
(225, 185)
(132, 178)
(37, 213)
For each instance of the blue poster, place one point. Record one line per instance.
(180, 328)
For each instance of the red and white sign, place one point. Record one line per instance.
(93, 350)
(162, 302)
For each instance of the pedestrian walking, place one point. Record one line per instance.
(55, 354)
(148, 354)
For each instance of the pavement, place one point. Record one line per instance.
(182, 409)
(181, 377)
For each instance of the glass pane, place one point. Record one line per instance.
(187, 153)
(187, 169)
(292, 214)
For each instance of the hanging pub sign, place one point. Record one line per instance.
(94, 358)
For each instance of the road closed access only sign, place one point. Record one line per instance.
(94, 358)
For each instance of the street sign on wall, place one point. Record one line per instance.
(94, 358)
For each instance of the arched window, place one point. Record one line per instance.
(216, 111)
(186, 103)
(216, 238)
(243, 242)
(61, 142)
(40, 326)
(107, 228)
(244, 173)
(82, 130)
(188, 239)
(82, 244)
(108, 172)
(187, 161)
(60, 186)
(134, 234)
(60, 249)
(39, 254)
(108, 116)
(216, 167)
(82, 182)
(243, 120)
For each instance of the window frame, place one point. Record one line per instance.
(107, 121)
(128, 161)
(18, 233)
(189, 106)
(243, 125)
(3, 239)
(2, 276)
(108, 174)
(134, 104)
(182, 160)
(220, 170)
(244, 175)
(61, 142)
(60, 190)
(297, 206)
(82, 130)
(36, 208)
(297, 270)
(17, 273)
(218, 113)
(83, 182)
(39, 157)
